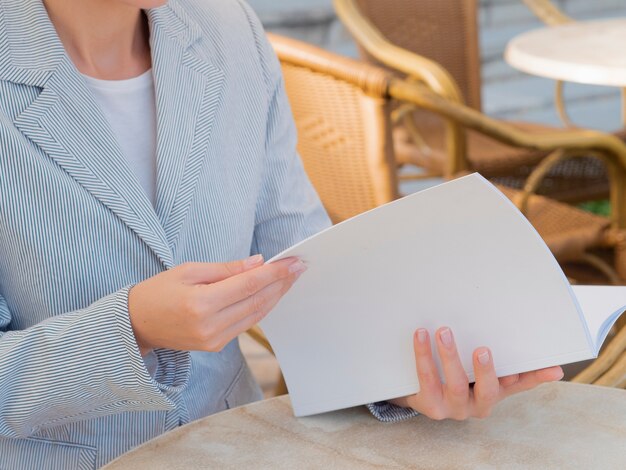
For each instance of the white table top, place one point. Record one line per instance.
(591, 52)
(559, 425)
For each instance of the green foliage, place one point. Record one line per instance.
(602, 207)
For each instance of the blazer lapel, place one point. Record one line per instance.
(66, 123)
(74, 133)
(189, 92)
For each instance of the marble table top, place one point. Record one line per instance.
(559, 425)
(591, 52)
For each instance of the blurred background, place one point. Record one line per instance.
(507, 93)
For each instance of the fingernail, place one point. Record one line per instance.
(421, 336)
(253, 261)
(297, 267)
(483, 357)
(445, 336)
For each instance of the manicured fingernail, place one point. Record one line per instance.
(483, 357)
(445, 336)
(253, 261)
(421, 336)
(297, 267)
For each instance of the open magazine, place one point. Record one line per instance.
(460, 255)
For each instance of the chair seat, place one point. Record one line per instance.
(572, 180)
(567, 230)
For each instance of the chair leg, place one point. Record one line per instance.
(604, 267)
(616, 375)
(281, 387)
(256, 334)
(605, 361)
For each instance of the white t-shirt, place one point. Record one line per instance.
(130, 107)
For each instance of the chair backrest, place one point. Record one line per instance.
(341, 110)
(444, 31)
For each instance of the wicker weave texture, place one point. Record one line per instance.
(445, 31)
(567, 230)
(442, 30)
(331, 138)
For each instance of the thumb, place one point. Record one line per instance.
(208, 273)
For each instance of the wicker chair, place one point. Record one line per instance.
(342, 108)
(434, 42)
(610, 367)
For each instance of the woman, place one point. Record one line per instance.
(141, 152)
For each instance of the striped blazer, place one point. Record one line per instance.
(76, 229)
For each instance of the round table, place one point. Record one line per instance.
(591, 52)
(559, 425)
(588, 52)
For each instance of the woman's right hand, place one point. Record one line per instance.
(203, 306)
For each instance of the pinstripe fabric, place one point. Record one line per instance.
(76, 229)
(390, 413)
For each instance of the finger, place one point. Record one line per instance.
(236, 288)
(487, 387)
(207, 273)
(509, 380)
(248, 321)
(259, 303)
(456, 386)
(429, 400)
(531, 379)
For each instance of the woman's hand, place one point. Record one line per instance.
(455, 399)
(203, 306)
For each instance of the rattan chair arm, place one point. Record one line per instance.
(373, 81)
(374, 42)
(616, 375)
(257, 335)
(547, 12)
(612, 148)
(534, 180)
(575, 139)
(404, 115)
(616, 181)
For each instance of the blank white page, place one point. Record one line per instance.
(601, 306)
(458, 254)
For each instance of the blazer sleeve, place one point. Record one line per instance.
(288, 208)
(80, 365)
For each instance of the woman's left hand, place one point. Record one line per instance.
(455, 399)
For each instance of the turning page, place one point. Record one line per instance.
(458, 255)
(601, 307)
